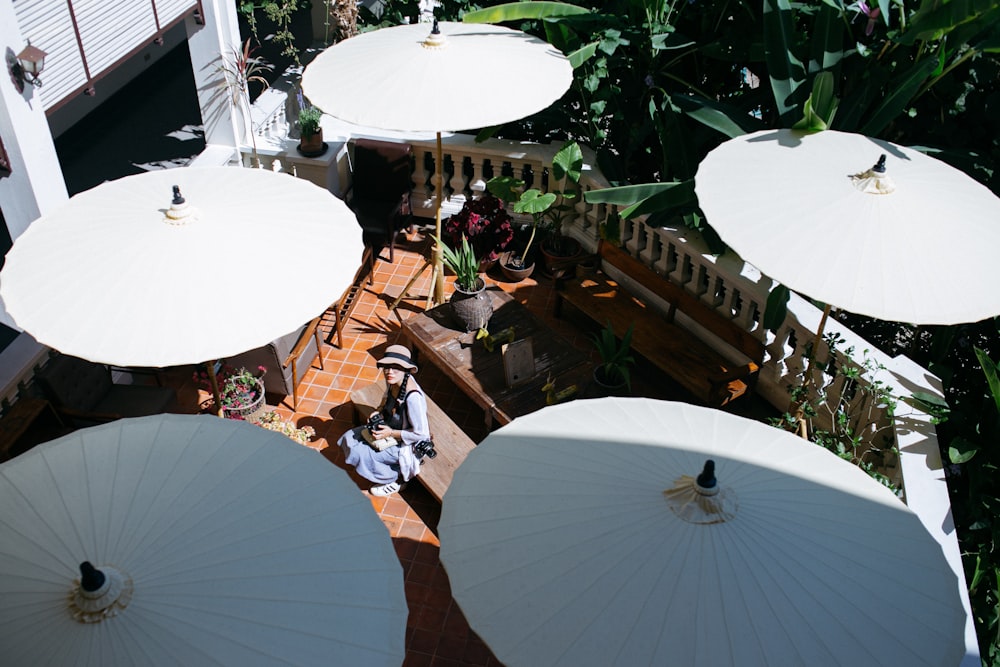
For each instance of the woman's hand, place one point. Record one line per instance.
(382, 431)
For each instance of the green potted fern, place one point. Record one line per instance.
(470, 303)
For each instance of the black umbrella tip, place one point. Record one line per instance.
(879, 167)
(178, 199)
(706, 479)
(91, 579)
(435, 29)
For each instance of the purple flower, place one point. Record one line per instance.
(873, 14)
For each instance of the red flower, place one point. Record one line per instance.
(485, 222)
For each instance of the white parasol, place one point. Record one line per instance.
(218, 542)
(913, 244)
(121, 275)
(583, 534)
(454, 76)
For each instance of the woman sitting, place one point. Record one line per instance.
(383, 452)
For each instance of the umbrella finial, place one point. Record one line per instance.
(706, 479)
(179, 212)
(435, 40)
(700, 499)
(91, 579)
(101, 593)
(874, 181)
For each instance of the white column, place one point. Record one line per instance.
(225, 124)
(35, 185)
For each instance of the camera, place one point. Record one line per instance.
(374, 422)
(424, 448)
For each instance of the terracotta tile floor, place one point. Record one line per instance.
(437, 632)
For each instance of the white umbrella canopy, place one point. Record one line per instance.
(221, 543)
(449, 76)
(119, 275)
(564, 547)
(469, 76)
(922, 254)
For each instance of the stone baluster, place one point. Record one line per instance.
(649, 242)
(455, 181)
(780, 351)
(425, 184)
(667, 259)
(477, 181)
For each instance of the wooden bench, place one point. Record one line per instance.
(695, 365)
(450, 442)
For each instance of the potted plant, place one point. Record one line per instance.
(470, 304)
(240, 70)
(486, 223)
(241, 392)
(310, 131)
(567, 167)
(612, 375)
(548, 210)
(516, 266)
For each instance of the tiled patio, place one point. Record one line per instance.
(437, 632)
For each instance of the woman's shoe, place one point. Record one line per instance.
(386, 489)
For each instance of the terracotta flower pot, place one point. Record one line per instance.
(312, 145)
(569, 248)
(512, 273)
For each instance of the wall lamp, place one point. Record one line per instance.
(27, 66)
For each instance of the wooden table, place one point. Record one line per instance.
(480, 374)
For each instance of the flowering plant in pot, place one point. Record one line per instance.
(241, 392)
(487, 225)
(472, 307)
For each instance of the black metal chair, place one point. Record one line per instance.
(380, 191)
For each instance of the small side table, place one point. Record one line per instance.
(19, 418)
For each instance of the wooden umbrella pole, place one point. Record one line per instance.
(435, 293)
(214, 382)
(437, 277)
(798, 410)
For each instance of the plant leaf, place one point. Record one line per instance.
(776, 308)
(990, 370)
(900, 93)
(627, 195)
(582, 55)
(784, 68)
(961, 450)
(517, 11)
(568, 162)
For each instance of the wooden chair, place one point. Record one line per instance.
(84, 394)
(380, 191)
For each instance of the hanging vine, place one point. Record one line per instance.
(280, 13)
